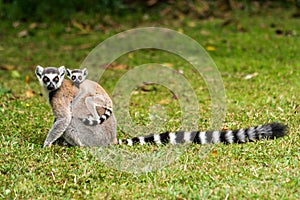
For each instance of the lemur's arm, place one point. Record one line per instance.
(63, 116)
(57, 130)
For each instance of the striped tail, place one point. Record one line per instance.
(267, 131)
(100, 120)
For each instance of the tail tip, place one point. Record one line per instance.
(278, 129)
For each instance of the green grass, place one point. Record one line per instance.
(248, 45)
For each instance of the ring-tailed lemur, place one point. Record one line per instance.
(95, 104)
(67, 123)
(60, 94)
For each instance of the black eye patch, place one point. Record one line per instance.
(46, 79)
(73, 78)
(56, 79)
(79, 77)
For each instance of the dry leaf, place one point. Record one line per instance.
(164, 102)
(151, 2)
(67, 48)
(204, 32)
(85, 46)
(77, 25)
(180, 30)
(27, 79)
(7, 67)
(168, 64)
(23, 33)
(33, 25)
(214, 153)
(191, 24)
(16, 24)
(249, 76)
(30, 93)
(120, 67)
(210, 48)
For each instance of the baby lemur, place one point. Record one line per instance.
(70, 106)
(95, 104)
(68, 114)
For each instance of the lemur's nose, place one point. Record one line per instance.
(50, 86)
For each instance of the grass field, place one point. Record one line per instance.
(263, 47)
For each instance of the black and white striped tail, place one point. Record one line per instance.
(100, 120)
(267, 131)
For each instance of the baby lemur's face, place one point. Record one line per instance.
(77, 75)
(50, 78)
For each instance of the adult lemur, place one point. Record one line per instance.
(70, 107)
(68, 116)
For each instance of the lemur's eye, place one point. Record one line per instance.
(73, 78)
(56, 79)
(46, 79)
(80, 77)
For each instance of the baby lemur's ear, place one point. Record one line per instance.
(39, 71)
(69, 73)
(85, 72)
(61, 71)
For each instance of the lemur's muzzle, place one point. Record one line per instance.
(50, 87)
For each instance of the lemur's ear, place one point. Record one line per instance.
(61, 71)
(68, 73)
(39, 71)
(85, 72)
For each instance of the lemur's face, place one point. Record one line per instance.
(50, 78)
(77, 76)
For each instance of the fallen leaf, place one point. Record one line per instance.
(7, 67)
(120, 67)
(249, 76)
(191, 24)
(16, 24)
(227, 22)
(210, 48)
(166, 11)
(23, 33)
(168, 64)
(77, 25)
(147, 88)
(30, 93)
(204, 32)
(180, 30)
(151, 2)
(85, 46)
(27, 79)
(164, 102)
(240, 28)
(33, 25)
(15, 74)
(214, 153)
(67, 48)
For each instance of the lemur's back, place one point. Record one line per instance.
(98, 135)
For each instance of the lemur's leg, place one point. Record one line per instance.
(71, 136)
(97, 101)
